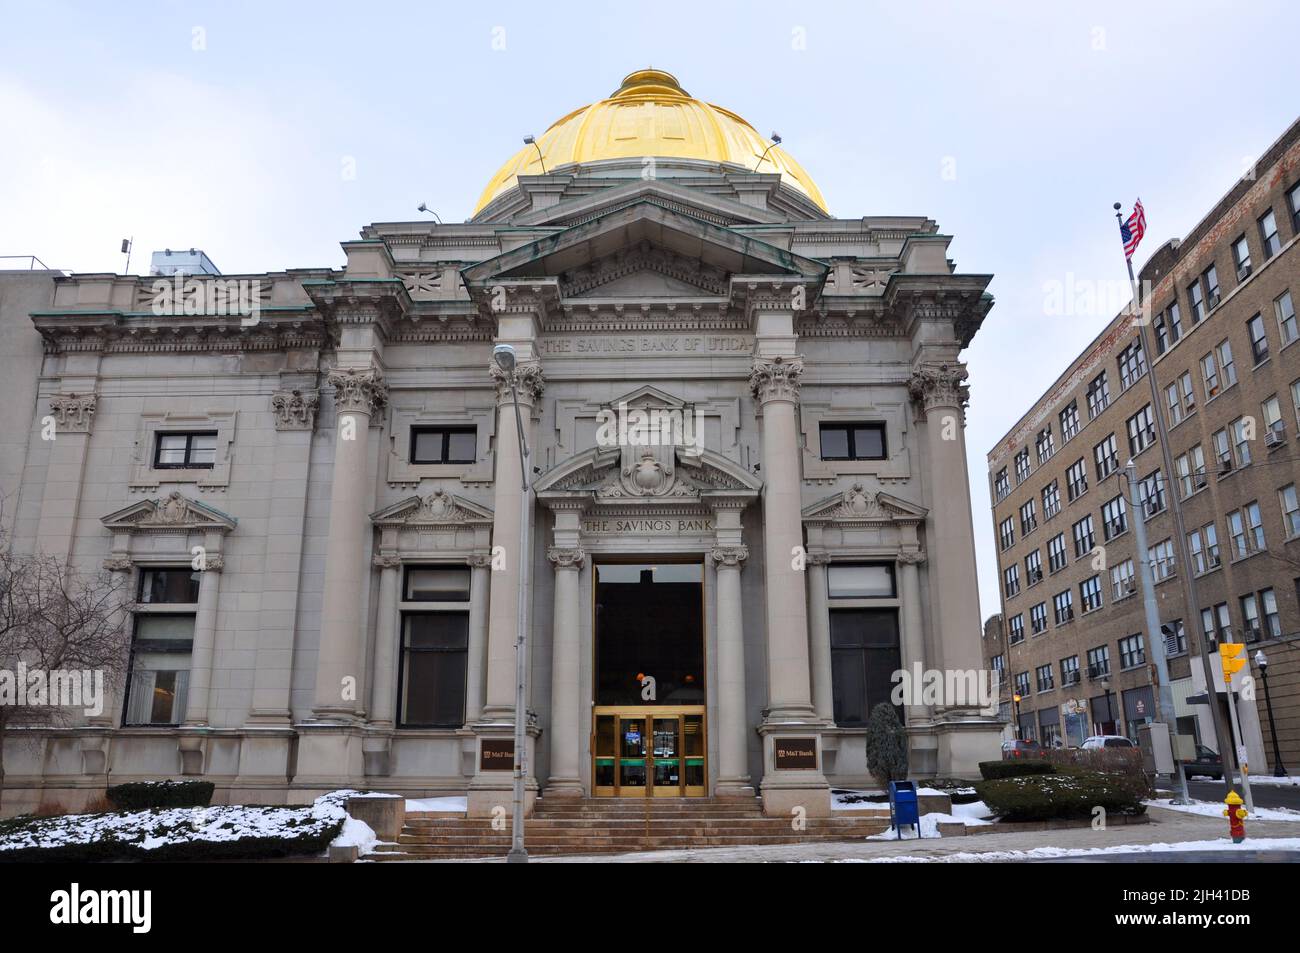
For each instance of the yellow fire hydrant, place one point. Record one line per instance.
(1235, 814)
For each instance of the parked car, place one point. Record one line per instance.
(1207, 764)
(1107, 741)
(1022, 749)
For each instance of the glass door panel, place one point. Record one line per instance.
(632, 743)
(667, 757)
(693, 783)
(605, 750)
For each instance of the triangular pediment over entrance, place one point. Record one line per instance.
(647, 475)
(857, 504)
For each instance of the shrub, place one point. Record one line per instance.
(142, 795)
(959, 790)
(886, 745)
(1041, 797)
(1013, 768)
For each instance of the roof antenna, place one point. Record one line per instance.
(776, 141)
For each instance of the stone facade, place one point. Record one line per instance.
(705, 290)
(1255, 564)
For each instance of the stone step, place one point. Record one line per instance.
(553, 837)
(584, 845)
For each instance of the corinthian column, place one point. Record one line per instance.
(940, 392)
(775, 384)
(480, 565)
(508, 511)
(733, 733)
(819, 636)
(565, 780)
(913, 640)
(358, 394)
(384, 678)
(205, 637)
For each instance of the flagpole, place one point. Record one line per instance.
(1197, 636)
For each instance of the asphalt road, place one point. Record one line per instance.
(1264, 795)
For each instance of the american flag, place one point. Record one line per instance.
(1133, 229)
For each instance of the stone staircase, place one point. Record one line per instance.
(609, 826)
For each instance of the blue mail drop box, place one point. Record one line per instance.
(902, 807)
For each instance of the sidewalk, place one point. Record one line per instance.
(1166, 827)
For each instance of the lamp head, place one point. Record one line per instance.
(504, 356)
(422, 208)
(776, 138)
(529, 140)
(1261, 659)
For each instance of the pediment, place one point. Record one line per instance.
(642, 236)
(720, 209)
(438, 508)
(648, 396)
(647, 474)
(173, 512)
(860, 505)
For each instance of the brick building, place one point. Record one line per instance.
(1223, 335)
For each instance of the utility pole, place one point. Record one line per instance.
(1155, 639)
(1193, 602)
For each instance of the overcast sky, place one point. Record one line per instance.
(234, 127)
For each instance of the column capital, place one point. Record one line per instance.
(118, 564)
(479, 560)
(939, 385)
(729, 555)
(213, 564)
(73, 413)
(295, 409)
(911, 558)
(818, 557)
(358, 391)
(566, 558)
(528, 378)
(387, 561)
(776, 379)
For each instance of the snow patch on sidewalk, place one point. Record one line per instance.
(450, 804)
(1048, 853)
(1215, 809)
(972, 815)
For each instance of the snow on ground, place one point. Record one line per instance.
(857, 801)
(972, 815)
(1216, 809)
(454, 804)
(1291, 780)
(151, 829)
(1047, 853)
(356, 834)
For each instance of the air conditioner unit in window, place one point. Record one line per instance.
(1225, 465)
(1117, 527)
(1243, 272)
(1199, 479)
(1130, 586)
(1214, 301)
(1274, 438)
(1151, 508)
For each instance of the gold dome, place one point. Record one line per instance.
(650, 115)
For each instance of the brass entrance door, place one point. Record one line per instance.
(649, 751)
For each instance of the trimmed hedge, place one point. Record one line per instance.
(1014, 768)
(1040, 797)
(144, 795)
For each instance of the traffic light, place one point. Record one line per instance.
(1231, 657)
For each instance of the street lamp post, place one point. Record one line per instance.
(1015, 699)
(1262, 661)
(504, 356)
(1110, 709)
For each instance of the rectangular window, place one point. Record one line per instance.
(1084, 539)
(1251, 629)
(1151, 493)
(1190, 468)
(1274, 428)
(191, 450)
(161, 653)
(1272, 621)
(1076, 478)
(1258, 339)
(853, 441)
(1033, 568)
(1217, 624)
(1070, 671)
(1175, 637)
(1007, 533)
(1210, 375)
(861, 581)
(1022, 466)
(1122, 581)
(1196, 298)
(865, 653)
(1063, 606)
(1284, 309)
(1069, 421)
(1011, 580)
(435, 650)
(1105, 457)
(1161, 558)
(1210, 278)
(1001, 485)
(1022, 683)
(1241, 257)
(1293, 203)
(1290, 510)
(1028, 521)
(1203, 546)
(1268, 235)
(1114, 518)
(1045, 444)
(1090, 594)
(1174, 412)
(1246, 529)
(1141, 431)
(436, 584)
(1043, 676)
(1016, 629)
(1056, 556)
(1051, 500)
(443, 444)
(1132, 652)
(1038, 618)
(1132, 365)
(1098, 395)
(1099, 661)
(168, 586)
(1227, 368)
